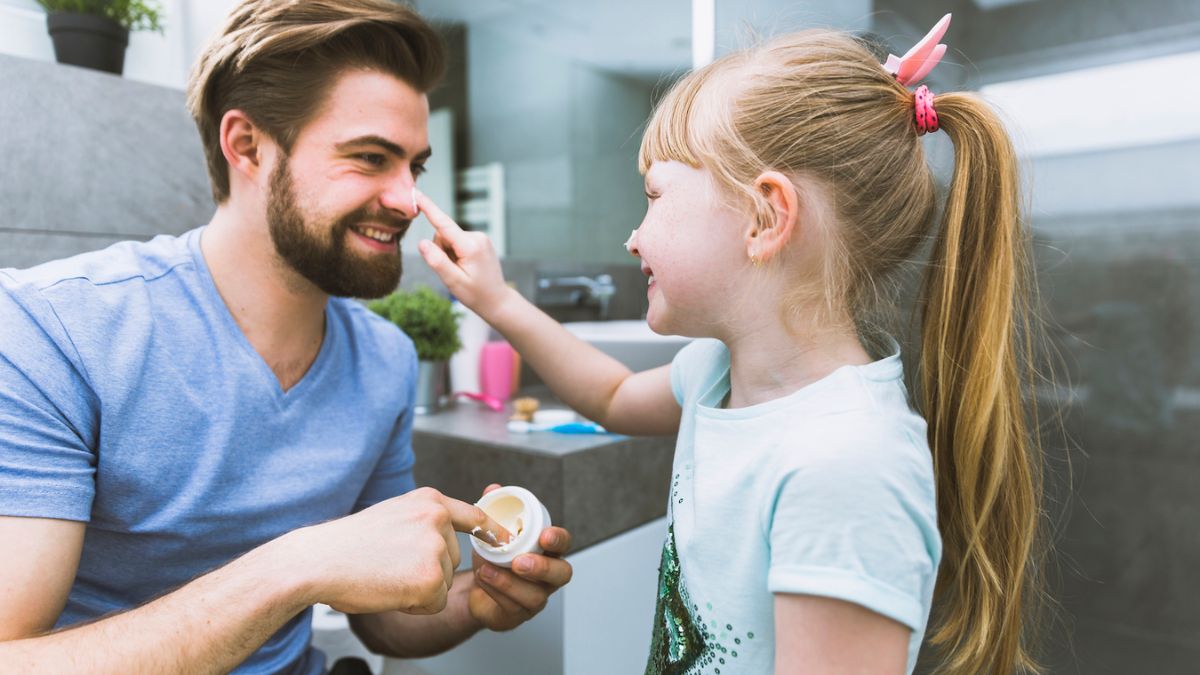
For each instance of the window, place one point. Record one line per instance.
(1144, 102)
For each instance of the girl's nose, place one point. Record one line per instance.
(631, 244)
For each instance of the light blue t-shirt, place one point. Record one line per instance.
(827, 491)
(130, 400)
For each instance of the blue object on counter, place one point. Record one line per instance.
(578, 428)
(520, 427)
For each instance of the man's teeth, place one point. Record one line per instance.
(650, 280)
(377, 235)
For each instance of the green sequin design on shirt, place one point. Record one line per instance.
(677, 643)
(682, 643)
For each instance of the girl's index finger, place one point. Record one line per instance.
(442, 223)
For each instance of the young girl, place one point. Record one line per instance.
(786, 187)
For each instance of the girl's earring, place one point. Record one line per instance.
(754, 260)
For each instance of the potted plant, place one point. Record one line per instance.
(95, 33)
(429, 320)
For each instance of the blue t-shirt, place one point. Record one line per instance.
(130, 400)
(827, 491)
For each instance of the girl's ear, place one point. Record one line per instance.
(766, 238)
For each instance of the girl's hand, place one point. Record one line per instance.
(465, 261)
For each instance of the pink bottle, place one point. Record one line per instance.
(496, 363)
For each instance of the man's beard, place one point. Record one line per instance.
(319, 253)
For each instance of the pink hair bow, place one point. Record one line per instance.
(916, 64)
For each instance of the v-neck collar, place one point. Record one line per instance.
(282, 398)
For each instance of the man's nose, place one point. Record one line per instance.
(401, 197)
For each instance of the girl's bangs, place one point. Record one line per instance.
(674, 132)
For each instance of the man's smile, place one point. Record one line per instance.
(380, 238)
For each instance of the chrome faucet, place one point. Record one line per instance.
(577, 291)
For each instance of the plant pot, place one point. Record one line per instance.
(88, 40)
(431, 386)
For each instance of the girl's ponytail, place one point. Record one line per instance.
(977, 361)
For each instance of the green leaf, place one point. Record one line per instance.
(426, 317)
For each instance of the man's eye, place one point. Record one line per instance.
(418, 169)
(373, 158)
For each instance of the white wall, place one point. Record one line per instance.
(162, 59)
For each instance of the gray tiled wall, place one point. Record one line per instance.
(1125, 289)
(88, 159)
(1122, 290)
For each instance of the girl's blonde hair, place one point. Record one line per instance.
(276, 60)
(818, 106)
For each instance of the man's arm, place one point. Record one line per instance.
(397, 555)
(34, 583)
(208, 626)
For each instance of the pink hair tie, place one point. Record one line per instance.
(927, 120)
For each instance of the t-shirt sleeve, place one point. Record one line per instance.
(393, 475)
(856, 530)
(677, 368)
(690, 365)
(49, 414)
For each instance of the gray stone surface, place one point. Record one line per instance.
(88, 158)
(596, 486)
(26, 248)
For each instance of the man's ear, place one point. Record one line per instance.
(242, 144)
(765, 239)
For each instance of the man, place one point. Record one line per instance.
(186, 423)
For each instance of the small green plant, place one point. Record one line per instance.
(426, 317)
(132, 14)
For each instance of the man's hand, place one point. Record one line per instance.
(504, 599)
(398, 554)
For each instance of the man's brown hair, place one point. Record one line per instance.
(276, 61)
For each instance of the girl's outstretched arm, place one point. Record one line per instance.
(588, 380)
(816, 635)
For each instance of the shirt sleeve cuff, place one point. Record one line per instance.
(856, 588)
(64, 503)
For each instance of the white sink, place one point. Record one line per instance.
(630, 342)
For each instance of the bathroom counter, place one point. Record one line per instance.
(597, 486)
